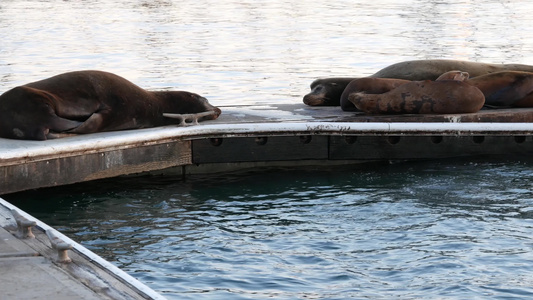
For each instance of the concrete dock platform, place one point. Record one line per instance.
(32, 269)
(248, 136)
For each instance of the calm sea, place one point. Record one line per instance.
(446, 229)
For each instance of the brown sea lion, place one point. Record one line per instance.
(423, 97)
(368, 85)
(506, 88)
(88, 102)
(326, 92)
(408, 70)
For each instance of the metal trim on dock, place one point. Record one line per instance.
(85, 144)
(35, 164)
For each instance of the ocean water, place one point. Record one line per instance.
(444, 229)
(447, 229)
(251, 51)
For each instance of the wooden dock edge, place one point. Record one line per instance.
(215, 147)
(86, 268)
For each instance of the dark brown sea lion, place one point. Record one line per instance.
(423, 97)
(327, 95)
(507, 88)
(326, 92)
(88, 102)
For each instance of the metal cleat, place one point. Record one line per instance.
(61, 246)
(193, 118)
(24, 225)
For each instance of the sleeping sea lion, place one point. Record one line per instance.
(423, 97)
(91, 101)
(368, 85)
(506, 88)
(324, 94)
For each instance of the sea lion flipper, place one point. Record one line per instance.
(61, 124)
(52, 135)
(91, 125)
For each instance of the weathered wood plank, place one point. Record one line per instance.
(86, 273)
(72, 169)
(33, 271)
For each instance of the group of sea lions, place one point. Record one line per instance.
(96, 101)
(428, 87)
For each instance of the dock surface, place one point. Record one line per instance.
(31, 268)
(263, 134)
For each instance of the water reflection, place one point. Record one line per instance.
(246, 52)
(463, 29)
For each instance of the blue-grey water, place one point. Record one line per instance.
(450, 229)
(447, 229)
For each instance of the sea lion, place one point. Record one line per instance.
(368, 85)
(326, 92)
(91, 101)
(423, 97)
(506, 88)
(429, 69)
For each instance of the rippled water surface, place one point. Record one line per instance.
(438, 229)
(454, 229)
(251, 51)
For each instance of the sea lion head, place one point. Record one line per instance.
(326, 91)
(183, 102)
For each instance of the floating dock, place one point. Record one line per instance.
(263, 135)
(38, 262)
(242, 137)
